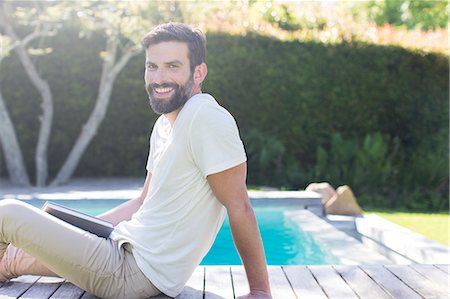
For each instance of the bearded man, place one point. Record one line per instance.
(196, 173)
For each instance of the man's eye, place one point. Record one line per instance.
(151, 67)
(173, 66)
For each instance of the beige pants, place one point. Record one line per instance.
(45, 245)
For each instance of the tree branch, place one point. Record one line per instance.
(129, 52)
(47, 101)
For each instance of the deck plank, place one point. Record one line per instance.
(44, 287)
(279, 284)
(195, 286)
(303, 282)
(331, 282)
(445, 268)
(218, 282)
(418, 282)
(389, 282)
(67, 290)
(87, 295)
(162, 296)
(17, 286)
(433, 274)
(360, 282)
(318, 282)
(240, 283)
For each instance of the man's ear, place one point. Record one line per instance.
(200, 72)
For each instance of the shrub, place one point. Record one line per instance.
(349, 113)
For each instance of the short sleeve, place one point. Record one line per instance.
(149, 166)
(152, 147)
(214, 140)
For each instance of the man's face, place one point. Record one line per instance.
(168, 77)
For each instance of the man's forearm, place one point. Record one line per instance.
(122, 212)
(126, 210)
(248, 242)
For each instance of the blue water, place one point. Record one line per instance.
(284, 241)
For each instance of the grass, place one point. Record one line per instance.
(432, 225)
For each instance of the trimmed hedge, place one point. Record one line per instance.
(375, 118)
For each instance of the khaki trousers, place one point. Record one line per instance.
(92, 263)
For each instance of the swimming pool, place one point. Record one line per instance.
(285, 243)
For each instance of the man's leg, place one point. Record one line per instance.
(90, 262)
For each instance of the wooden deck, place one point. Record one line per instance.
(367, 281)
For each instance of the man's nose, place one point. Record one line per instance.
(160, 76)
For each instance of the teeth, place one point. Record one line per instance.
(163, 90)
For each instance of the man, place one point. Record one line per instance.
(196, 173)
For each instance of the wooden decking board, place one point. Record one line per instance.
(194, 287)
(218, 281)
(361, 283)
(445, 268)
(240, 284)
(17, 286)
(303, 282)
(433, 274)
(88, 296)
(418, 282)
(67, 291)
(279, 284)
(312, 282)
(44, 287)
(390, 282)
(332, 283)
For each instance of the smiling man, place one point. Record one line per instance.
(196, 173)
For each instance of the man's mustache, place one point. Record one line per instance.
(164, 85)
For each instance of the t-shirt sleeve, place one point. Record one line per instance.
(214, 140)
(151, 150)
(149, 166)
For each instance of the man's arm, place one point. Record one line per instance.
(127, 209)
(230, 189)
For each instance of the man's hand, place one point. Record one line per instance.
(256, 295)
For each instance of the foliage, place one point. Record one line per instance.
(411, 13)
(345, 111)
(265, 156)
(326, 21)
(367, 166)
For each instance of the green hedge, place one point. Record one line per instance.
(375, 118)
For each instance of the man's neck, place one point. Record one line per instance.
(172, 116)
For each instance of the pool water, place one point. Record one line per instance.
(284, 241)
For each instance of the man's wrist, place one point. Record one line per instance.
(260, 292)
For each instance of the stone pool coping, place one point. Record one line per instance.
(127, 188)
(106, 188)
(348, 249)
(400, 244)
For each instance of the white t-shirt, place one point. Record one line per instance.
(180, 217)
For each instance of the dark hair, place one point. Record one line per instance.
(194, 38)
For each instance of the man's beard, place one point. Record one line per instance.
(181, 95)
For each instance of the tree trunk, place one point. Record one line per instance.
(47, 107)
(11, 149)
(110, 70)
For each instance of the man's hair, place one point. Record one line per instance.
(194, 39)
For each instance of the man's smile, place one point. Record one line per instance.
(163, 90)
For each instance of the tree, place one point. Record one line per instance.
(37, 17)
(122, 26)
(121, 23)
(10, 145)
